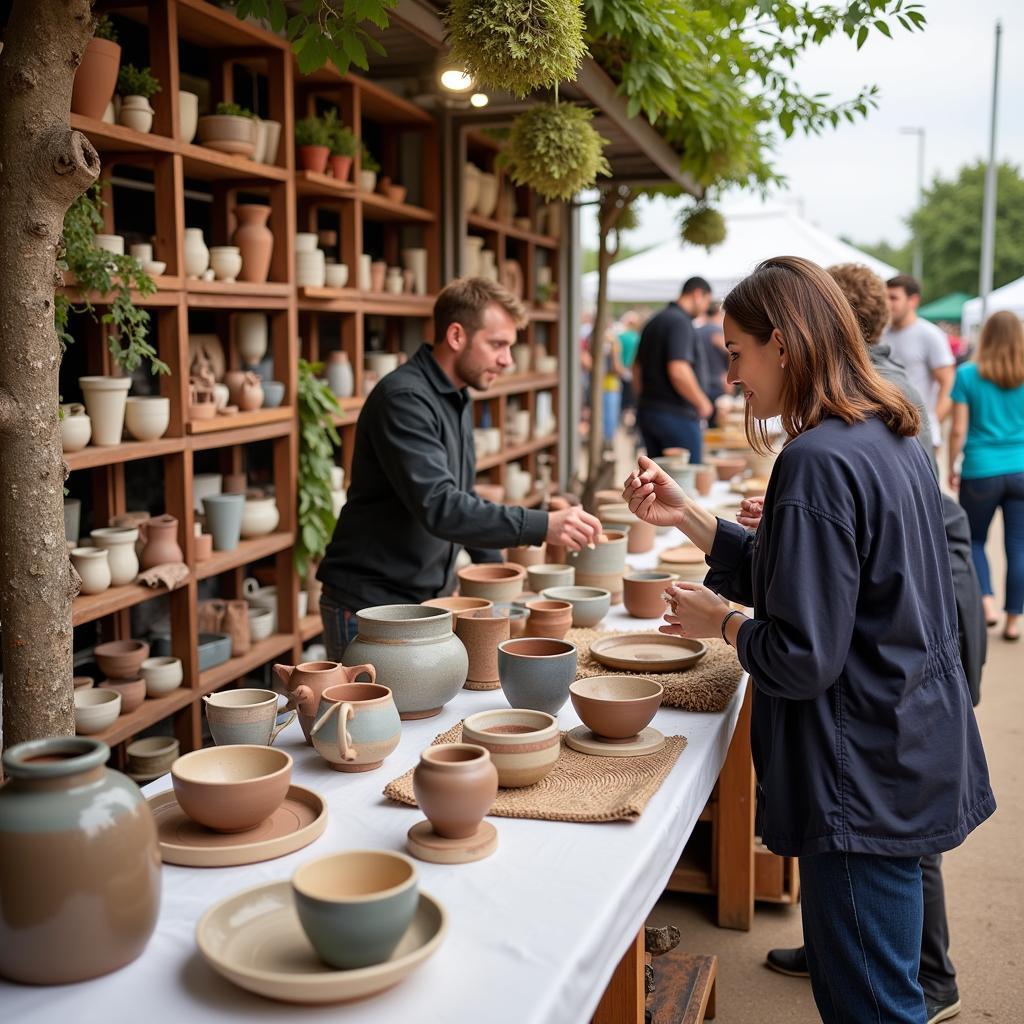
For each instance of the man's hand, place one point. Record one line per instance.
(705, 409)
(572, 528)
(750, 512)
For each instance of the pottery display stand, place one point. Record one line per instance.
(425, 844)
(649, 741)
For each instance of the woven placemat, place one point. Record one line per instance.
(580, 787)
(708, 686)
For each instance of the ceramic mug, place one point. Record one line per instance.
(245, 716)
(368, 726)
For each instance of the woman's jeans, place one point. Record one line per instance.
(980, 498)
(611, 411)
(862, 918)
(340, 628)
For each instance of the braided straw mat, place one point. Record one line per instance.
(580, 787)
(708, 686)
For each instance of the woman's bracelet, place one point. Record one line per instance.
(725, 619)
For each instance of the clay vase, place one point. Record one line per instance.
(481, 631)
(339, 374)
(455, 785)
(705, 480)
(79, 862)
(255, 240)
(357, 726)
(95, 78)
(250, 394)
(93, 567)
(307, 681)
(160, 534)
(378, 271)
(548, 618)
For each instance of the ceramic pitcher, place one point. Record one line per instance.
(307, 681)
(160, 534)
(368, 726)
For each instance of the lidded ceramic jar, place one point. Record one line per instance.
(455, 785)
(79, 862)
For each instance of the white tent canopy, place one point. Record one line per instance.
(752, 235)
(1010, 296)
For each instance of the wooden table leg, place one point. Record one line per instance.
(624, 998)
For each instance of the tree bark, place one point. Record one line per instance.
(44, 167)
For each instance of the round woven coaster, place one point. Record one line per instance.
(425, 844)
(472, 684)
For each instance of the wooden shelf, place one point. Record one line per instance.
(87, 607)
(517, 383)
(378, 207)
(236, 435)
(475, 220)
(542, 314)
(127, 451)
(512, 453)
(165, 295)
(234, 668)
(212, 165)
(247, 551)
(310, 626)
(309, 183)
(115, 138)
(151, 711)
(243, 294)
(203, 23)
(240, 420)
(329, 300)
(382, 304)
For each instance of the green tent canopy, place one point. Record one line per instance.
(946, 308)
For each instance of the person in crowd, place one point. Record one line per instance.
(629, 341)
(668, 375)
(922, 348)
(716, 358)
(853, 636)
(611, 387)
(411, 505)
(988, 414)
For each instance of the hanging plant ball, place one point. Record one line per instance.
(554, 149)
(703, 226)
(517, 45)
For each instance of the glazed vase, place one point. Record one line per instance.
(356, 727)
(160, 534)
(414, 648)
(105, 399)
(306, 682)
(224, 519)
(79, 863)
(95, 78)
(455, 785)
(197, 256)
(255, 240)
(339, 374)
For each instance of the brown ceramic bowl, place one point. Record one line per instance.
(616, 707)
(133, 692)
(643, 593)
(82, 682)
(500, 581)
(232, 788)
(727, 466)
(459, 605)
(121, 659)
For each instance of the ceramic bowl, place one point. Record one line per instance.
(616, 707)
(133, 692)
(727, 466)
(494, 581)
(524, 745)
(261, 623)
(535, 673)
(232, 788)
(153, 755)
(589, 604)
(643, 592)
(527, 555)
(457, 605)
(550, 575)
(82, 682)
(121, 659)
(147, 417)
(95, 710)
(162, 675)
(273, 394)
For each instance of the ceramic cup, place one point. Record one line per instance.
(355, 906)
(366, 726)
(589, 604)
(245, 716)
(550, 575)
(536, 673)
(548, 618)
(524, 745)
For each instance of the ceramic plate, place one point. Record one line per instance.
(647, 652)
(685, 555)
(295, 824)
(254, 939)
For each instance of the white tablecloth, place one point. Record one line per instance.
(536, 930)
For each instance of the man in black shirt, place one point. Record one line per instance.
(669, 375)
(410, 503)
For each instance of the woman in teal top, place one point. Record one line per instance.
(988, 411)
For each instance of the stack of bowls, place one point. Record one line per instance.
(121, 662)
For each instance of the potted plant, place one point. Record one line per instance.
(313, 141)
(136, 86)
(368, 169)
(343, 145)
(703, 225)
(97, 74)
(232, 129)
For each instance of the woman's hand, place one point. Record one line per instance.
(750, 512)
(696, 612)
(653, 495)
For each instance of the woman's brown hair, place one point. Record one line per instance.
(828, 372)
(1001, 350)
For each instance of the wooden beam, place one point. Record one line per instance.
(623, 999)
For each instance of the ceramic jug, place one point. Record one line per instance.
(307, 681)
(160, 534)
(255, 240)
(368, 726)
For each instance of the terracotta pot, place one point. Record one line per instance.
(455, 785)
(642, 593)
(202, 546)
(160, 535)
(228, 133)
(640, 536)
(121, 659)
(529, 555)
(481, 631)
(548, 618)
(313, 158)
(610, 581)
(616, 707)
(727, 466)
(105, 399)
(95, 78)
(378, 271)
(133, 692)
(250, 396)
(255, 240)
(341, 166)
(80, 864)
(496, 582)
(357, 726)
(307, 681)
(704, 480)
(458, 605)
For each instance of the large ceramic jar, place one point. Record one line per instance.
(255, 240)
(79, 864)
(415, 651)
(455, 785)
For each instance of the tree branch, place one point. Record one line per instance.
(72, 160)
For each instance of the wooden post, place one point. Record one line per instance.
(623, 999)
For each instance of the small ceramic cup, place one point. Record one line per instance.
(245, 716)
(367, 726)
(540, 577)
(355, 906)
(536, 673)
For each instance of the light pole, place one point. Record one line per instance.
(918, 268)
(988, 217)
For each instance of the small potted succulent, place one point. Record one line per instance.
(368, 170)
(343, 145)
(312, 138)
(232, 129)
(97, 74)
(136, 86)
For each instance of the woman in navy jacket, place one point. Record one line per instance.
(865, 744)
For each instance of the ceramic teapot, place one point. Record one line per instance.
(307, 681)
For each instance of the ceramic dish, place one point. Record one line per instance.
(647, 652)
(255, 940)
(295, 824)
(687, 554)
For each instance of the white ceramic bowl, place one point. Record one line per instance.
(162, 675)
(147, 417)
(261, 623)
(95, 710)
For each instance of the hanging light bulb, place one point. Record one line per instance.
(456, 79)
(479, 99)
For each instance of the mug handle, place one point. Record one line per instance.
(292, 715)
(322, 720)
(348, 752)
(355, 671)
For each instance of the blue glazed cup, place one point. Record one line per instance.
(535, 673)
(245, 716)
(355, 906)
(224, 519)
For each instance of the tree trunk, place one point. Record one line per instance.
(44, 167)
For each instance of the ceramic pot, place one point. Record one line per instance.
(471, 248)
(256, 242)
(247, 716)
(110, 243)
(496, 582)
(589, 604)
(640, 536)
(188, 115)
(204, 485)
(160, 534)
(133, 692)
(251, 336)
(259, 517)
(366, 727)
(481, 631)
(608, 556)
(131, 520)
(548, 618)
(147, 416)
(536, 673)
(529, 555)
(455, 785)
(75, 427)
(642, 593)
(250, 394)
(197, 256)
(415, 259)
(616, 707)
(224, 519)
(704, 479)
(95, 78)
(311, 269)
(341, 166)
(80, 864)
(93, 567)
(202, 547)
(470, 186)
(307, 681)
(314, 158)
(458, 605)
(137, 114)
(339, 374)
(367, 180)
(226, 262)
(121, 659)
(415, 650)
(261, 597)
(72, 519)
(152, 756)
(95, 710)
(540, 577)
(119, 544)
(394, 283)
(381, 363)
(378, 270)
(610, 581)
(271, 140)
(524, 745)
(488, 195)
(273, 393)
(161, 675)
(228, 133)
(105, 399)
(336, 275)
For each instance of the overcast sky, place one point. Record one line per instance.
(860, 180)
